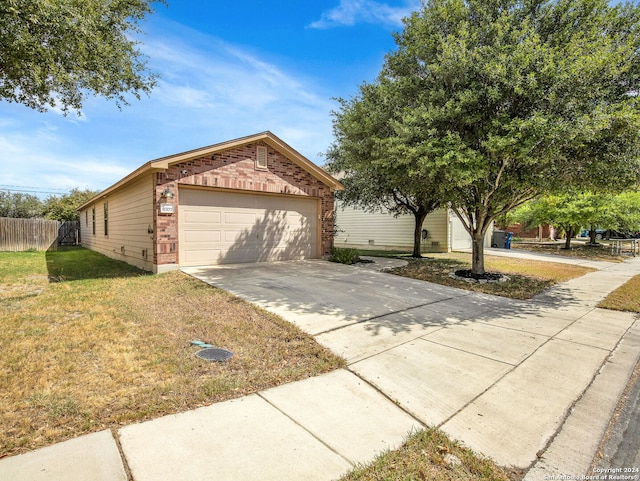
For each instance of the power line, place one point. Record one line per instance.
(27, 189)
(30, 191)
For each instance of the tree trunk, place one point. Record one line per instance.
(477, 253)
(567, 242)
(592, 235)
(419, 216)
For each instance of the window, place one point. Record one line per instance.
(93, 220)
(261, 157)
(86, 218)
(106, 218)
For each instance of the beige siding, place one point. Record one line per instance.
(130, 218)
(437, 226)
(377, 230)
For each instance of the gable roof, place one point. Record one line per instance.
(267, 137)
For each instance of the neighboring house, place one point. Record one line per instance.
(545, 231)
(442, 231)
(246, 200)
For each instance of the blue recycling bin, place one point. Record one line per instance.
(507, 242)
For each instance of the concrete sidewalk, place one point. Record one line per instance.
(528, 383)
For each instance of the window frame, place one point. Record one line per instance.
(106, 218)
(262, 155)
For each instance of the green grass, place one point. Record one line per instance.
(90, 343)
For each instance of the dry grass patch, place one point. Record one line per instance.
(109, 345)
(625, 297)
(579, 249)
(527, 277)
(429, 455)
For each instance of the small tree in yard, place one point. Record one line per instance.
(501, 101)
(573, 211)
(570, 212)
(626, 211)
(376, 163)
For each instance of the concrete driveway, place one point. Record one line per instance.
(498, 374)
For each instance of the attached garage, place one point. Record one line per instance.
(253, 199)
(218, 227)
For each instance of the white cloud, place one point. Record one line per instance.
(225, 91)
(209, 91)
(222, 75)
(35, 163)
(351, 12)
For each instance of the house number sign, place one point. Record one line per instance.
(166, 208)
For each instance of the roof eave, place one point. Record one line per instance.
(163, 163)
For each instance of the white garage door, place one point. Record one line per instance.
(227, 227)
(460, 238)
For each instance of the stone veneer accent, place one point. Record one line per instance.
(235, 169)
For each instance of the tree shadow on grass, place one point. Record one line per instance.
(78, 263)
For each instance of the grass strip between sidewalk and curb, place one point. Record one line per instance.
(624, 298)
(430, 455)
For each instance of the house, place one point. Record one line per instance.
(246, 200)
(442, 231)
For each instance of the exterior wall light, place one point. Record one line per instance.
(167, 193)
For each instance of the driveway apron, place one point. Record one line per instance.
(498, 374)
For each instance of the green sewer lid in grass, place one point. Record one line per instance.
(214, 354)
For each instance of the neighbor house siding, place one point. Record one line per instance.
(130, 224)
(380, 230)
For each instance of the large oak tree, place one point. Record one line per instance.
(506, 99)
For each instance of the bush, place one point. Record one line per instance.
(344, 256)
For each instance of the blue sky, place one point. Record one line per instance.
(227, 69)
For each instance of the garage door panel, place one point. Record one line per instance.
(206, 255)
(202, 216)
(240, 218)
(236, 236)
(229, 227)
(206, 236)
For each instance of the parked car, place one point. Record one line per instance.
(620, 234)
(611, 234)
(600, 233)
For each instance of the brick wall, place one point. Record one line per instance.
(235, 169)
(541, 232)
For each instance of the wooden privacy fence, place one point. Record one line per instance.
(69, 233)
(18, 235)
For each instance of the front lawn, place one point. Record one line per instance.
(526, 277)
(90, 343)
